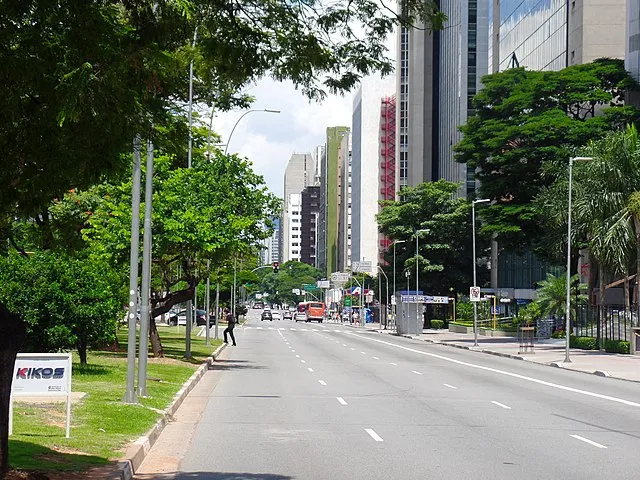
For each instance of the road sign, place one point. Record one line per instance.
(347, 301)
(309, 287)
(362, 267)
(342, 277)
(474, 294)
(322, 284)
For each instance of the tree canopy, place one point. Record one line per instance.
(445, 252)
(525, 126)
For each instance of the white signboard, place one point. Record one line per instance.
(44, 375)
(425, 299)
(474, 294)
(323, 283)
(362, 267)
(341, 277)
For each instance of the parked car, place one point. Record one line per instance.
(276, 315)
(300, 317)
(266, 315)
(201, 317)
(287, 315)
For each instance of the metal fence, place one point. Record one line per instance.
(609, 322)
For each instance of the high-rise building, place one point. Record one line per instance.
(366, 161)
(329, 189)
(554, 34)
(632, 46)
(308, 224)
(388, 185)
(345, 171)
(438, 74)
(271, 246)
(299, 174)
(293, 235)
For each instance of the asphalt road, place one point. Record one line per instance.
(310, 401)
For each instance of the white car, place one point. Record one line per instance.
(276, 315)
(300, 317)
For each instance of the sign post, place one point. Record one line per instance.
(474, 294)
(42, 375)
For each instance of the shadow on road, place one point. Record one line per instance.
(235, 365)
(213, 476)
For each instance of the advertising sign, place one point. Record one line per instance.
(42, 374)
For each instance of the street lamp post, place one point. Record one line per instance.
(268, 110)
(417, 234)
(568, 312)
(387, 297)
(395, 305)
(473, 230)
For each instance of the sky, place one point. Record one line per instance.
(269, 139)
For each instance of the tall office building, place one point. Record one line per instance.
(329, 191)
(438, 74)
(345, 172)
(554, 34)
(271, 246)
(308, 224)
(632, 46)
(299, 174)
(366, 161)
(388, 185)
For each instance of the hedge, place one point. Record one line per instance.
(437, 324)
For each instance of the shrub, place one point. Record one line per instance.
(583, 343)
(616, 346)
(437, 324)
(558, 334)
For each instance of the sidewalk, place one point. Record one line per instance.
(546, 352)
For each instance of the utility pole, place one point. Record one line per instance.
(130, 393)
(145, 312)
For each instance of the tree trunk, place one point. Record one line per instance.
(82, 349)
(600, 305)
(636, 224)
(11, 340)
(154, 338)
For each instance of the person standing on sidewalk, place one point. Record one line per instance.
(231, 322)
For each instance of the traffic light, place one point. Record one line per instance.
(276, 266)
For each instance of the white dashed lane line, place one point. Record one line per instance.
(341, 400)
(310, 369)
(502, 405)
(586, 440)
(391, 363)
(322, 382)
(416, 372)
(449, 386)
(376, 358)
(303, 361)
(373, 435)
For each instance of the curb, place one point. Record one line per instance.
(138, 449)
(600, 373)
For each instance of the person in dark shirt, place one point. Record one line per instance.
(231, 322)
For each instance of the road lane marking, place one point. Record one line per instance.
(352, 348)
(376, 358)
(344, 344)
(507, 407)
(586, 440)
(449, 386)
(393, 364)
(341, 400)
(363, 353)
(374, 435)
(292, 329)
(303, 361)
(297, 356)
(416, 372)
(504, 372)
(259, 328)
(310, 369)
(293, 351)
(322, 382)
(336, 330)
(270, 328)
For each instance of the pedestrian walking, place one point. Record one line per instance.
(231, 322)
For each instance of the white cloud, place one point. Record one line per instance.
(269, 139)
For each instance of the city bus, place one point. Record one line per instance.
(315, 310)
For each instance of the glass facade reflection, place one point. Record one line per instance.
(535, 31)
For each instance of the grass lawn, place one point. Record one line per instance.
(101, 424)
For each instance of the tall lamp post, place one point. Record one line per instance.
(473, 230)
(395, 306)
(417, 234)
(268, 110)
(568, 313)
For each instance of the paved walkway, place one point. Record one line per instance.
(546, 352)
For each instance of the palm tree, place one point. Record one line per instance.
(607, 203)
(551, 295)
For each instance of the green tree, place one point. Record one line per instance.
(551, 295)
(446, 250)
(211, 211)
(66, 302)
(520, 137)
